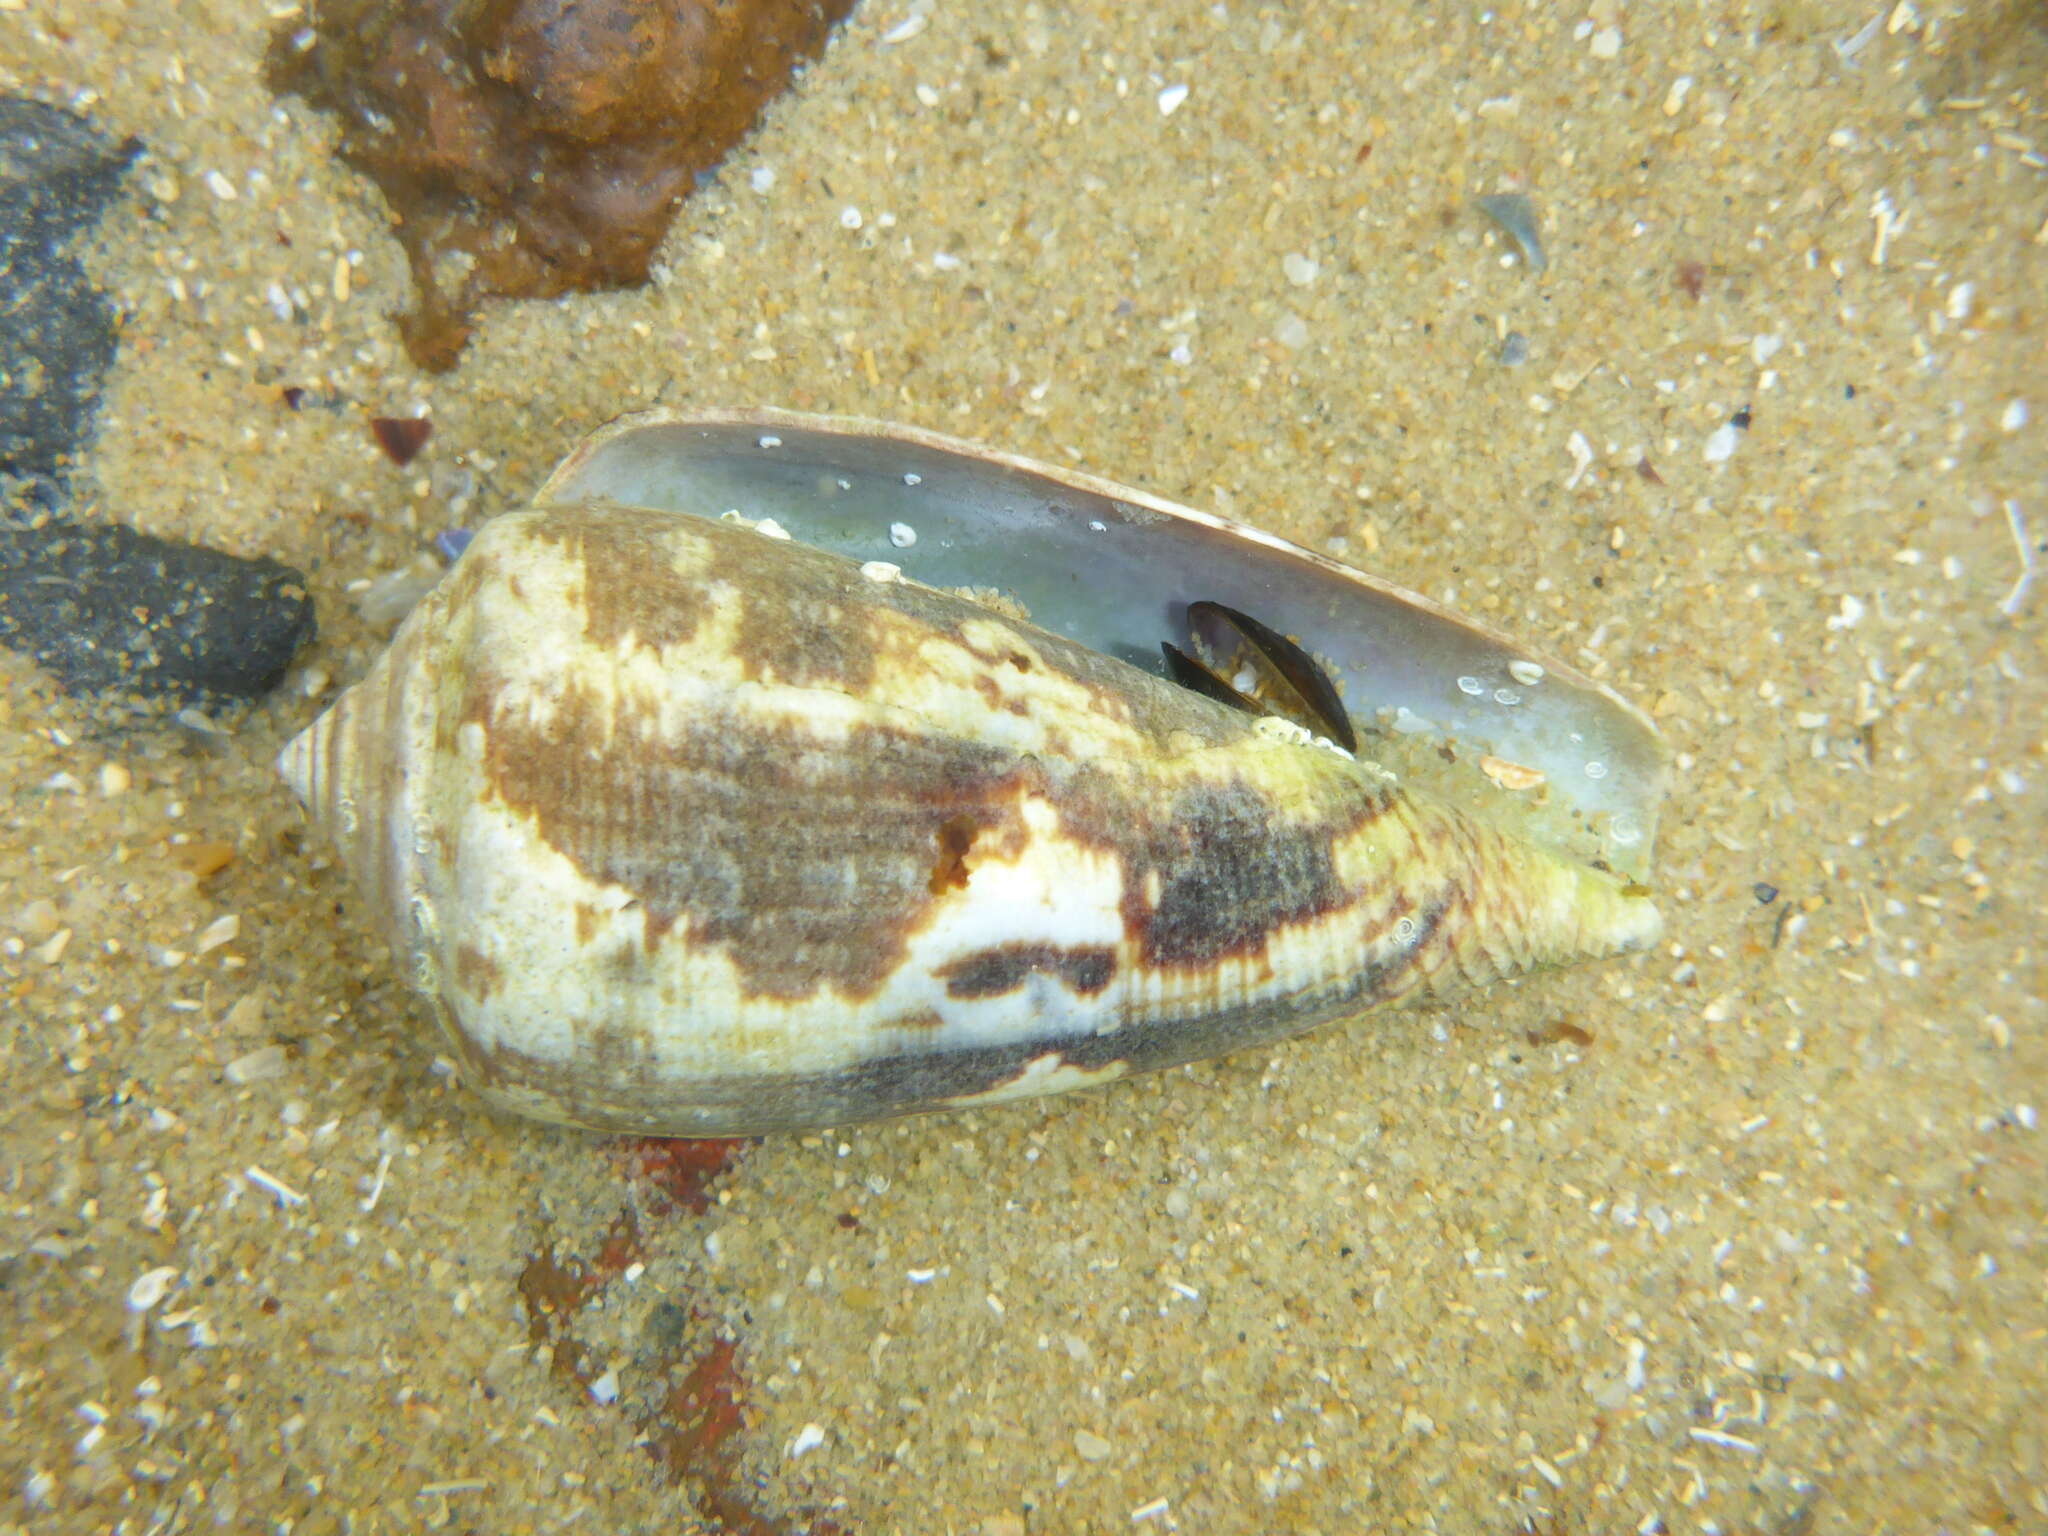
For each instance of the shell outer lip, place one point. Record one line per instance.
(563, 486)
(1626, 786)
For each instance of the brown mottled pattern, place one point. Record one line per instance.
(813, 866)
(814, 860)
(817, 866)
(1085, 969)
(631, 587)
(1231, 869)
(956, 838)
(476, 972)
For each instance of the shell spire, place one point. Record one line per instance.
(1501, 907)
(349, 769)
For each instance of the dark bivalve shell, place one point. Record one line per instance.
(683, 827)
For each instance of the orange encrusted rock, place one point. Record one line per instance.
(530, 148)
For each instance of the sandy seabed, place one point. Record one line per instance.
(1755, 1244)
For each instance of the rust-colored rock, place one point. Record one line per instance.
(535, 147)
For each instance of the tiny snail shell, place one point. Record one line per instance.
(685, 830)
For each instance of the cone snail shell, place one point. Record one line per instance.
(683, 828)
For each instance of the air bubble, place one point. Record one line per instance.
(771, 442)
(1471, 685)
(1623, 832)
(912, 478)
(1097, 525)
(1596, 769)
(1506, 696)
(1404, 930)
(902, 535)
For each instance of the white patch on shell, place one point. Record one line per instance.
(1279, 729)
(1058, 895)
(881, 570)
(1050, 1073)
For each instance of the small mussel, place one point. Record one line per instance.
(780, 771)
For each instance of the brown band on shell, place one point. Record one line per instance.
(1084, 969)
(632, 586)
(956, 838)
(1230, 870)
(476, 973)
(816, 868)
(812, 868)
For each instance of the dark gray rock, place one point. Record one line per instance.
(56, 329)
(109, 608)
(101, 607)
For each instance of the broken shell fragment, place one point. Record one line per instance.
(683, 830)
(1510, 775)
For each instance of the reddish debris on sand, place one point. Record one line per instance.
(1563, 1029)
(701, 1410)
(692, 1423)
(691, 1437)
(535, 147)
(680, 1170)
(401, 437)
(1692, 278)
(556, 1289)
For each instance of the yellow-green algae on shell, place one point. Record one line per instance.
(687, 829)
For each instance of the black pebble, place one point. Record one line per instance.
(56, 330)
(107, 607)
(101, 606)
